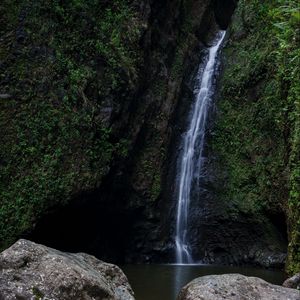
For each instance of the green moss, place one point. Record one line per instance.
(257, 131)
(294, 183)
(148, 171)
(37, 293)
(64, 64)
(70, 60)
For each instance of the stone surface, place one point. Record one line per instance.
(32, 271)
(293, 282)
(235, 287)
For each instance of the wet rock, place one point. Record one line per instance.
(5, 96)
(293, 282)
(32, 271)
(269, 259)
(235, 287)
(217, 238)
(220, 233)
(21, 36)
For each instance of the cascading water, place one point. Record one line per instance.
(193, 143)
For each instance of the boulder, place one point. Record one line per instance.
(293, 282)
(235, 287)
(32, 271)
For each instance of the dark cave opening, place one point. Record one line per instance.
(88, 224)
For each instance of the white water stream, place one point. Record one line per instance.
(193, 143)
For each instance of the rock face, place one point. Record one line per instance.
(218, 238)
(33, 271)
(255, 181)
(144, 119)
(235, 287)
(123, 92)
(239, 217)
(293, 282)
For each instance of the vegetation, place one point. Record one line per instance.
(61, 65)
(66, 67)
(257, 132)
(164, 90)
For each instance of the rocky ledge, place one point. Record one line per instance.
(293, 282)
(32, 271)
(235, 287)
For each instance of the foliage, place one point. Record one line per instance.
(64, 64)
(286, 19)
(257, 132)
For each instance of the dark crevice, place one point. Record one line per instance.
(224, 10)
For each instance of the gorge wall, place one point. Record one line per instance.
(93, 101)
(88, 92)
(255, 141)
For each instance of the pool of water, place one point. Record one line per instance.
(163, 282)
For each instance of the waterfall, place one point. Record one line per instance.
(193, 143)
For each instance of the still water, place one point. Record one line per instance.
(163, 282)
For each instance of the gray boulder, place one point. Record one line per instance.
(235, 287)
(32, 271)
(293, 282)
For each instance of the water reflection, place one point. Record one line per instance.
(163, 282)
(179, 278)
